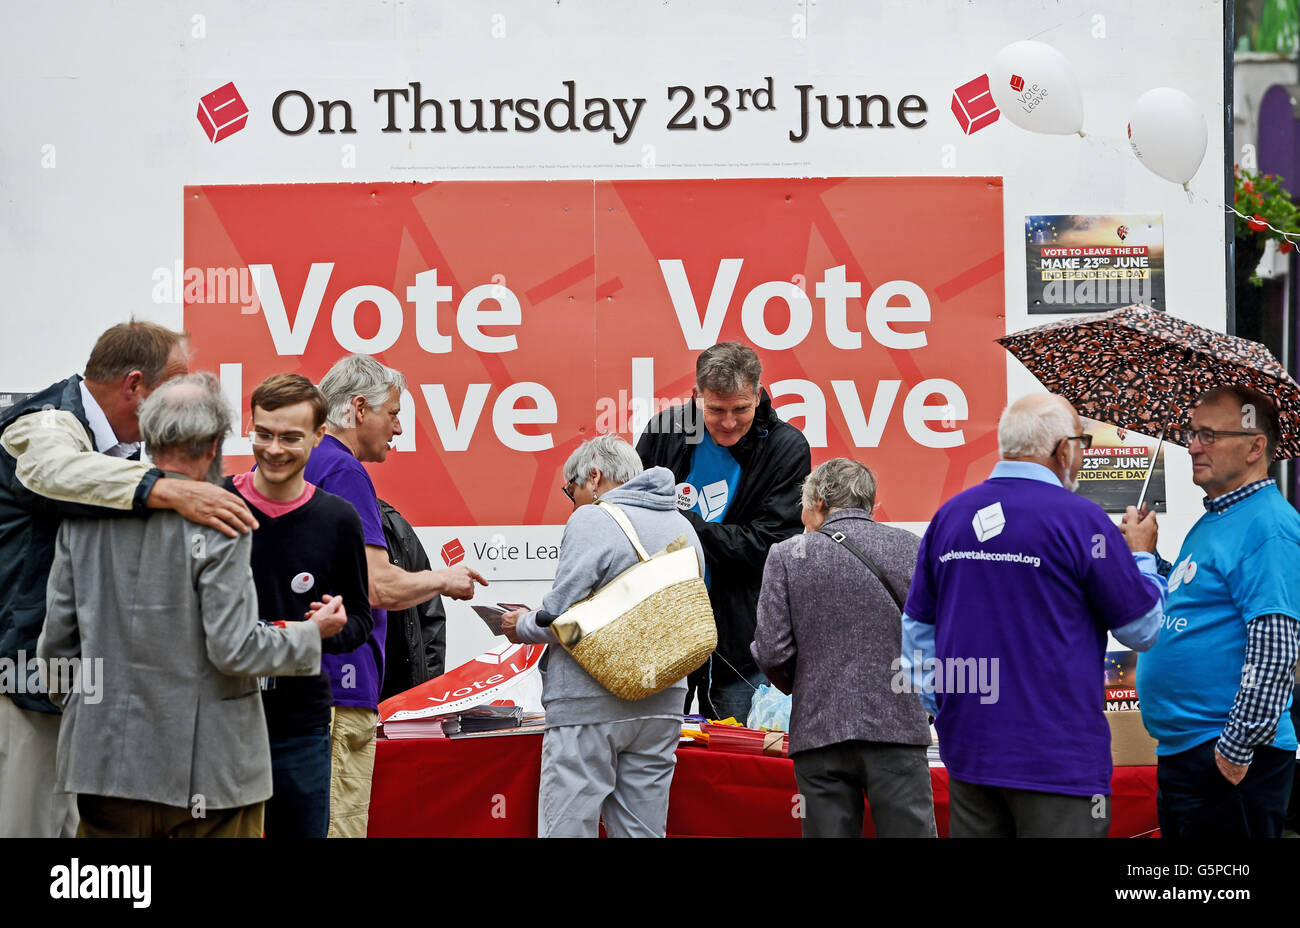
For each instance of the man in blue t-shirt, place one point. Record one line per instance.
(1017, 583)
(364, 398)
(1216, 688)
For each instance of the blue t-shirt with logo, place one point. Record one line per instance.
(710, 486)
(1022, 579)
(1234, 566)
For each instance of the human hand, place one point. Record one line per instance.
(204, 503)
(1233, 773)
(1139, 529)
(328, 615)
(458, 582)
(508, 623)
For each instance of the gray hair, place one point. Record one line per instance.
(727, 368)
(357, 375)
(1033, 433)
(841, 483)
(611, 455)
(184, 416)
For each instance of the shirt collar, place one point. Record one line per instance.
(1024, 470)
(1228, 500)
(106, 440)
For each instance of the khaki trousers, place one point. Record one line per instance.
(31, 803)
(111, 817)
(352, 748)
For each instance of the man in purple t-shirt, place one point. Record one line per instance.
(364, 398)
(1017, 583)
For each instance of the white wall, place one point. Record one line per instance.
(99, 133)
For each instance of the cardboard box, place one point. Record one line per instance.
(1130, 745)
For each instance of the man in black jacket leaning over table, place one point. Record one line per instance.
(738, 468)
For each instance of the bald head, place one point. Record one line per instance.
(183, 423)
(1033, 428)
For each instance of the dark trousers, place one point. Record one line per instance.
(895, 777)
(1194, 800)
(112, 817)
(977, 811)
(300, 777)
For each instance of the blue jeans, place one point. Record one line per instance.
(300, 777)
(732, 697)
(1193, 800)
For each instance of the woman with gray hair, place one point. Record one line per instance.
(603, 756)
(829, 630)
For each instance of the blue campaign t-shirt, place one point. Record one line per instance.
(1022, 579)
(1234, 566)
(710, 486)
(354, 677)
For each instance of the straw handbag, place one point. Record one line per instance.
(649, 626)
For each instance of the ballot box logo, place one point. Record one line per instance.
(222, 112)
(1017, 83)
(713, 500)
(973, 106)
(501, 654)
(453, 552)
(989, 522)
(1182, 574)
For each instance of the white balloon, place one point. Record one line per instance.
(1034, 86)
(1167, 132)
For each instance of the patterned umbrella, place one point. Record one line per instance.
(1142, 369)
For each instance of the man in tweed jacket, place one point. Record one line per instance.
(163, 732)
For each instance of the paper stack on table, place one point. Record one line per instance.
(498, 692)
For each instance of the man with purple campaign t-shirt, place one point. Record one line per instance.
(1017, 583)
(364, 399)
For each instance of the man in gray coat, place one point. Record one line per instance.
(152, 646)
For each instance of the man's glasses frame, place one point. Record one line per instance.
(262, 439)
(1085, 438)
(1208, 437)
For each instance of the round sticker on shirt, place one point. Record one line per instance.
(302, 583)
(1190, 572)
(687, 496)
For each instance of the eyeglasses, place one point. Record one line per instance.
(1085, 438)
(1206, 437)
(286, 441)
(567, 492)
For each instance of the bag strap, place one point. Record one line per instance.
(841, 539)
(620, 517)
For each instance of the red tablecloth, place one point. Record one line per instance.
(487, 787)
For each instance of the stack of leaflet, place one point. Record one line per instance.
(494, 717)
(738, 740)
(499, 692)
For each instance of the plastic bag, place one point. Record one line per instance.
(770, 709)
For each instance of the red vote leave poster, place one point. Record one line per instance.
(528, 316)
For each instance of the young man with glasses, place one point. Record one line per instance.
(308, 550)
(1017, 583)
(1217, 687)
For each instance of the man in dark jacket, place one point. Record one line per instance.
(738, 468)
(415, 648)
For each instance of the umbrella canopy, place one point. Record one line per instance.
(1141, 369)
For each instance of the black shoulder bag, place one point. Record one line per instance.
(841, 539)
